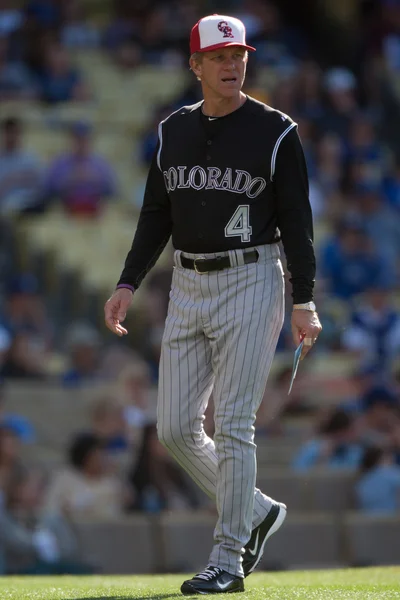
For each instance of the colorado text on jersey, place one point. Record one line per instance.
(198, 178)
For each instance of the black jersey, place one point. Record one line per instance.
(218, 184)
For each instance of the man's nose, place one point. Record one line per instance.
(230, 64)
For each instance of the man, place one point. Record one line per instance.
(20, 170)
(227, 173)
(80, 178)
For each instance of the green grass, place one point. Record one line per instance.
(347, 584)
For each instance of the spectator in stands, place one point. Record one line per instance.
(138, 398)
(379, 419)
(378, 486)
(373, 333)
(79, 178)
(363, 178)
(362, 380)
(10, 17)
(336, 445)
(349, 261)
(76, 31)
(60, 81)
(16, 82)
(17, 423)
(284, 93)
(362, 145)
(26, 311)
(20, 170)
(114, 359)
(86, 488)
(21, 361)
(83, 345)
(128, 55)
(341, 88)
(125, 24)
(278, 44)
(309, 83)
(329, 167)
(108, 424)
(26, 319)
(382, 224)
(153, 34)
(159, 483)
(32, 542)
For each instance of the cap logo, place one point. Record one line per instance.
(224, 27)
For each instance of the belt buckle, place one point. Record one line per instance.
(200, 258)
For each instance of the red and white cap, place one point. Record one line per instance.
(217, 31)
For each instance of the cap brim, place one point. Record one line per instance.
(225, 45)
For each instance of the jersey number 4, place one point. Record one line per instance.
(238, 224)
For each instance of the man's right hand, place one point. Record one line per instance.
(115, 310)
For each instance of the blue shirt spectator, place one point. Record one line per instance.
(341, 93)
(313, 454)
(83, 344)
(362, 146)
(378, 488)
(350, 264)
(60, 81)
(374, 329)
(335, 447)
(61, 88)
(16, 81)
(381, 224)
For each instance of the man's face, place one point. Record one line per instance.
(222, 71)
(81, 144)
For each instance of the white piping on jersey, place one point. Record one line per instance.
(160, 136)
(276, 148)
(159, 150)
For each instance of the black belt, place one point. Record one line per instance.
(205, 265)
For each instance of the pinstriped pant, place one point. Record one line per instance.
(220, 335)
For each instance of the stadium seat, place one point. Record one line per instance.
(372, 539)
(276, 453)
(315, 490)
(188, 537)
(119, 547)
(305, 541)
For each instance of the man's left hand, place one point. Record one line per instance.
(305, 326)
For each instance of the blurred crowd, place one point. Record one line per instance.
(117, 465)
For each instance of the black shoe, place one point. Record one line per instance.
(212, 580)
(254, 549)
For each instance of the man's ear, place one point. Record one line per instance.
(195, 67)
